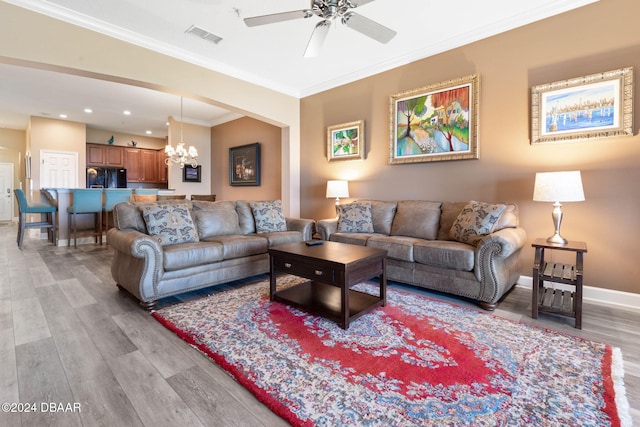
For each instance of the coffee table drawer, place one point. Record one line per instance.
(307, 270)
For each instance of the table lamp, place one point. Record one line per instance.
(558, 187)
(337, 189)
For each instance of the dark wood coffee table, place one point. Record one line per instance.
(333, 268)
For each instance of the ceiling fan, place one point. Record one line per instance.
(329, 11)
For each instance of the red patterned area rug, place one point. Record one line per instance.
(415, 362)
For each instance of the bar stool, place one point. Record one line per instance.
(113, 196)
(25, 208)
(145, 195)
(85, 201)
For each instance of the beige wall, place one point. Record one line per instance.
(200, 138)
(12, 148)
(241, 132)
(55, 135)
(589, 40)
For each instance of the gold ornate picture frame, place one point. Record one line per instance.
(594, 106)
(345, 141)
(435, 123)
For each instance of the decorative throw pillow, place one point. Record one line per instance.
(476, 220)
(268, 216)
(355, 217)
(170, 224)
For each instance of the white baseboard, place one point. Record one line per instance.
(593, 294)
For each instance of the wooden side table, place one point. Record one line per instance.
(557, 301)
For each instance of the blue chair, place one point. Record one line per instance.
(113, 196)
(85, 201)
(25, 208)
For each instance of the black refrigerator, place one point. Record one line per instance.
(106, 177)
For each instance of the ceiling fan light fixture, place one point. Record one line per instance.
(329, 10)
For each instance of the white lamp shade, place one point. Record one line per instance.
(563, 186)
(337, 188)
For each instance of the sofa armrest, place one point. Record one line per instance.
(306, 226)
(137, 263)
(326, 227)
(497, 262)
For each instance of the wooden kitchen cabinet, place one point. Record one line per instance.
(105, 155)
(141, 165)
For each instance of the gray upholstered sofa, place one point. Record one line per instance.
(423, 250)
(155, 259)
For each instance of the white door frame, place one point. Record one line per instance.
(7, 193)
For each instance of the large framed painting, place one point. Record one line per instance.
(595, 106)
(244, 165)
(345, 141)
(435, 123)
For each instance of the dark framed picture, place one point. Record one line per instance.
(244, 165)
(191, 174)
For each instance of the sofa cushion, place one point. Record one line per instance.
(355, 217)
(245, 216)
(417, 218)
(449, 211)
(382, 214)
(128, 216)
(170, 224)
(268, 216)
(216, 222)
(239, 246)
(445, 254)
(476, 220)
(509, 218)
(351, 238)
(185, 255)
(397, 247)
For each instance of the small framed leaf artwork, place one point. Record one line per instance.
(345, 141)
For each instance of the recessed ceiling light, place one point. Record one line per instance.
(126, 112)
(167, 123)
(63, 116)
(148, 132)
(88, 110)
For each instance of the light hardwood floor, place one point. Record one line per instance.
(68, 336)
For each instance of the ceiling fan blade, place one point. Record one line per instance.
(277, 17)
(368, 27)
(317, 38)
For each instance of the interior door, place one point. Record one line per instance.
(6, 191)
(58, 169)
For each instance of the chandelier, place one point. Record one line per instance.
(180, 154)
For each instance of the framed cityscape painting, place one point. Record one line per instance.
(345, 141)
(244, 165)
(594, 106)
(435, 123)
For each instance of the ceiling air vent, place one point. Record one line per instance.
(203, 34)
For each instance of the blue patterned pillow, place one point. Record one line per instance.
(170, 224)
(355, 217)
(475, 221)
(268, 216)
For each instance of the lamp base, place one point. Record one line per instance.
(557, 239)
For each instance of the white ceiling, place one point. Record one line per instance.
(269, 55)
